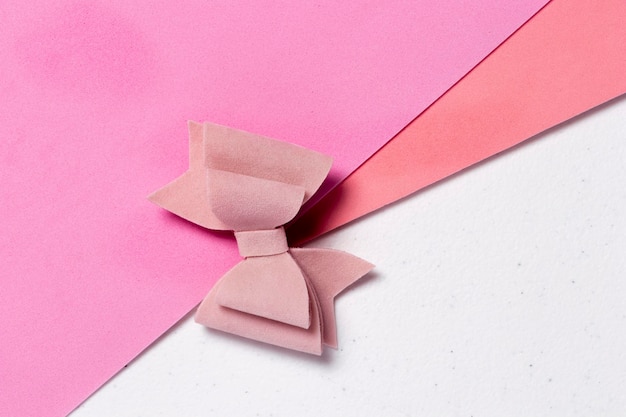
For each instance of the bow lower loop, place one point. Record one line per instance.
(211, 314)
(271, 287)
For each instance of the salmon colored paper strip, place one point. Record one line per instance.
(568, 59)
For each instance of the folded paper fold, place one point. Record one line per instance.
(253, 185)
(249, 203)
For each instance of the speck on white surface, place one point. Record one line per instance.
(499, 291)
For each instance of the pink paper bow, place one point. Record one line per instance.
(254, 185)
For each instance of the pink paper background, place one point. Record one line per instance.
(569, 58)
(95, 96)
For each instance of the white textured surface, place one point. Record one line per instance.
(500, 291)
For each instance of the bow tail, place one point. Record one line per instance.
(330, 272)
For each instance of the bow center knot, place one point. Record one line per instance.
(262, 242)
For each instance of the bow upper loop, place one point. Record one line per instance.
(248, 203)
(221, 148)
(233, 150)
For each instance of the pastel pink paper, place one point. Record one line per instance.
(94, 100)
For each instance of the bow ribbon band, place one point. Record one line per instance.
(253, 186)
(262, 242)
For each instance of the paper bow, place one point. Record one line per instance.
(253, 186)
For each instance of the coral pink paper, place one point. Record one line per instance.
(569, 58)
(94, 96)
